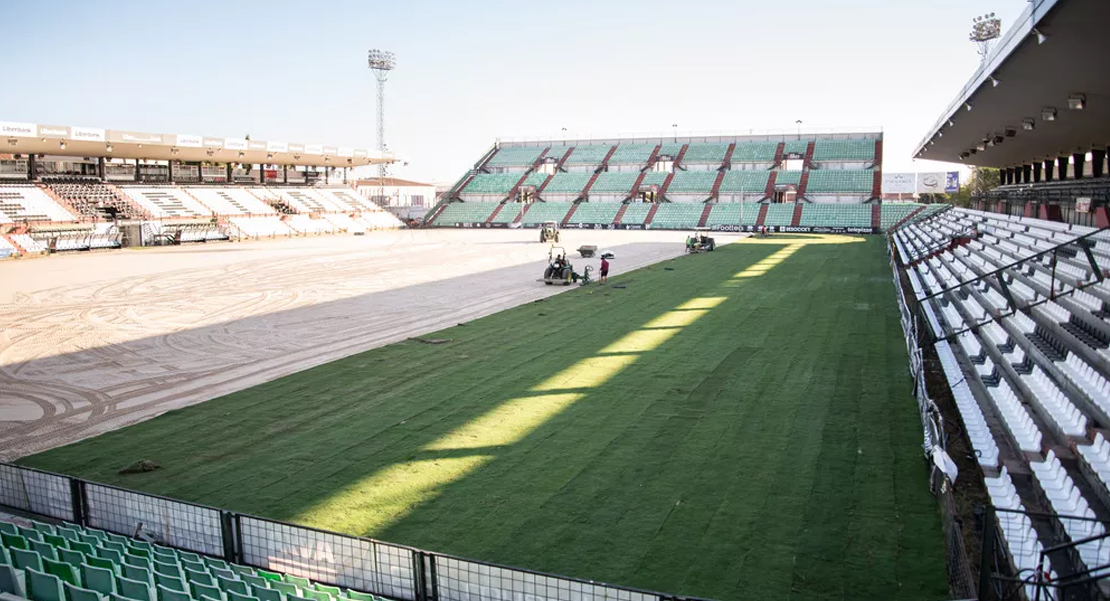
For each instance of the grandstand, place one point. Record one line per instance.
(840, 168)
(108, 202)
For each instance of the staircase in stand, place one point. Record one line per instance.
(652, 158)
(520, 182)
(651, 214)
(705, 214)
(666, 184)
(727, 164)
(605, 162)
(797, 218)
(466, 182)
(586, 191)
(486, 159)
(907, 218)
(620, 214)
(545, 182)
(716, 190)
(636, 186)
(762, 215)
(435, 213)
(876, 216)
(807, 163)
(566, 155)
(780, 150)
(681, 155)
(769, 191)
(523, 210)
(15, 245)
(496, 210)
(570, 213)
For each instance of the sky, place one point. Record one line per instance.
(469, 73)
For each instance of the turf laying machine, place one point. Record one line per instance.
(549, 232)
(560, 271)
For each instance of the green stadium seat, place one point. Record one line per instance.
(186, 556)
(5, 556)
(455, 212)
(139, 552)
(748, 181)
(615, 182)
(840, 180)
(296, 598)
(43, 587)
(636, 212)
(212, 562)
(64, 571)
(30, 533)
(171, 582)
(334, 591)
(491, 184)
(167, 569)
(755, 152)
(242, 569)
(836, 215)
(222, 573)
(73, 558)
(44, 549)
(98, 579)
(26, 560)
(102, 562)
(540, 212)
(15, 541)
(844, 150)
(784, 177)
(119, 597)
(117, 550)
(136, 573)
(568, 183)
(357, 596)
(67, 533)
(515, 156)
(98, 534)
(590, 154)
(135, 589)
(267, 594)
(267, 574)
(795, 147)
(90, 539)
(12, 581)
(76, 593)
(234, 596)
(206, 591)
(313, 594)
(700, 154)
(297, 580)
(779, 214)
(85, 548)
(253, 580)
(55, 541)
(8, 528)
(231, 585)
(285, 587)
(595, 212)
(138, 562)
(163, 554)
(677, 215)
(165, 594)
(692, 182)
(632, 154)
(733, 213)
(199, 577)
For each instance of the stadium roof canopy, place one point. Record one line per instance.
(1055, 51)
(65, 140)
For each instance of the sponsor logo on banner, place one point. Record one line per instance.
(899, 183)
(931, 183)
(257, 145)
(360, 153)
(952, 182)
(802, 229)
(345, 152)
(1083, 204)
(329, 150)
(277, 146)
(214, 142)
(24, 130)
(86, 134)
(296, 148)
(233, 144)
(314, 149)
(190, 141)
(53, 131)
(140, 138)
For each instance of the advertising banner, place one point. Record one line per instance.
(1083, 204)
(214, 142)
(189, 141)
(296, 147)
(257, 145)
(314, 149)
(54, 131)
(19, 130)
(345, 152)
(233, 144)
(952, 182)
(87, 134)
(134, 138)
(276, 147)
(931, 183)
(899, 183)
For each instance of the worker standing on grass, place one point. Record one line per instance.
(604, 271)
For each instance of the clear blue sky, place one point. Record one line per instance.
(471, 72)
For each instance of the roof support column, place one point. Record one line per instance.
(1027, 174)
(285, 174)
(1037, 172)
(100, 168)
(1062, 167)
(228, 171)
(136, 170)
(1078, 159)
(1005, 175)
(1049, 170)
(1098, 161)
(31, 167)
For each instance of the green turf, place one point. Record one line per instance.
(768, 449)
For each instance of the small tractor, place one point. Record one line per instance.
(560, 271)
(549, 232)
(698, 242)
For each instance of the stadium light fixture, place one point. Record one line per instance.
(1010, 132)
(997, 140)
(62, 145)
(967, 105)
(1029, 124)
(994, 82)
(13, 142)
(1077, 102)
(1048, 114)
(1041, 37)
(972, 151)
(951, 123)
(984, 30)
(987, 141)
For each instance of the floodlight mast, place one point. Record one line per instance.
(984, 30)
(381, 62)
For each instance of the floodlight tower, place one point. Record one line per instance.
(984, 30)
(381, 62)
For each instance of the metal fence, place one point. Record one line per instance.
(352, 562)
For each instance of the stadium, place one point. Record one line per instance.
(235, 369)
